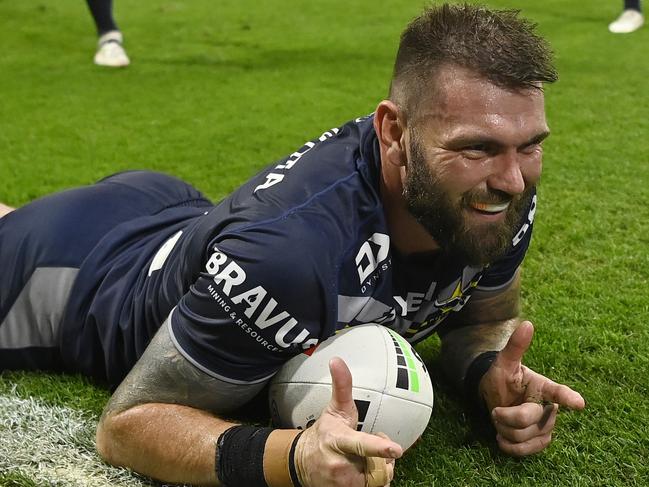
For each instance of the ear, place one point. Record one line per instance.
(390, 126)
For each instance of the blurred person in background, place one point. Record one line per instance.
(110, 51)
(630, 20)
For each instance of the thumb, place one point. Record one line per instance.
(512, 354)
(341, 387)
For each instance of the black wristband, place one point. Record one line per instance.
(291, 462)
(474, 373)
(240, 456)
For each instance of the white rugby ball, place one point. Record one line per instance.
(391, 386)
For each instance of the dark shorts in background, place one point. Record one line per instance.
(44, 244)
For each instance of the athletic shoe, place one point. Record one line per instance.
(110, 51)
(628, 21)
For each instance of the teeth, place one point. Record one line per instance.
(491, 208)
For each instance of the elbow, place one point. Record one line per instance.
(103, 440)
(109, 440)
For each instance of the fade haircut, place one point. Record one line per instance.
(494, 44)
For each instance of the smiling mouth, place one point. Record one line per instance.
(488, 208)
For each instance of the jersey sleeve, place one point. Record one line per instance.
(260, 299)
(501, 272)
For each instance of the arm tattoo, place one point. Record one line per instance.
(163, 375)
(484, 324)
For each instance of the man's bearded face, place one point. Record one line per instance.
(444, 214)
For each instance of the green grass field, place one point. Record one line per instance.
(219, 89)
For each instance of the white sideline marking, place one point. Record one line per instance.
(55, 445)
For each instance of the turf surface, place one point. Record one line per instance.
(218, 89)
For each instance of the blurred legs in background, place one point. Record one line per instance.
(110, 51)
(630, 19)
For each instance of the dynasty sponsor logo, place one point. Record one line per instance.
(372, 260)
(260, 313)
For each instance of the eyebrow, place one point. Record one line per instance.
(469, 140)
(537, 139)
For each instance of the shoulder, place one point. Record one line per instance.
(342, 157)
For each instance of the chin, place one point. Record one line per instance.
(479, 248)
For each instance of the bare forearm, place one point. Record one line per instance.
(162, 420)
(484, 324)
(461, 346)
(168, 442)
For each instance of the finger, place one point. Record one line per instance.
(549, 413)
(525, 448)
(562, 394)
(366, 445)
(341, 386)
(389, 461)
(512, 354)
(521, 435)
(381, 434)
(523, 415)
(377, 472)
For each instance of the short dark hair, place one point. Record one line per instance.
(495, 44)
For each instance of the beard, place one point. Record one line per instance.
(445, 218)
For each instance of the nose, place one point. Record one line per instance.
(507, 175)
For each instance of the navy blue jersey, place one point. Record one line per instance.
(298, 252)
(303, 249)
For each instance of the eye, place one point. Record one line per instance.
(532, 148)
(476, 151)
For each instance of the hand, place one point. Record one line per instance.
(332, 453)
(523, 403)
